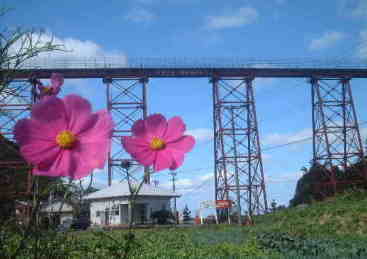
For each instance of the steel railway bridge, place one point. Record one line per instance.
(238, 163)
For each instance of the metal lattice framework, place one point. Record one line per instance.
(238, 163)
(127, 103)
(336, 137)
(15, 104)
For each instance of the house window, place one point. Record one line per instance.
(98, 213)
(115, 210)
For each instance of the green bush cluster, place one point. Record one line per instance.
(168, 243)
(324, 248)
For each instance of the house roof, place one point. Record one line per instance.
(122, 189)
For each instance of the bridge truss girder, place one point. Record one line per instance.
(127, 103)
(237, 154)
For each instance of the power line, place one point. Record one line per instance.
(296, 141)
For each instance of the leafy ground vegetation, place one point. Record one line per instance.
(334, 228)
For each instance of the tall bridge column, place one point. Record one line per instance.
(238, 164)
(336, 137)
(127, 103)
(15, 103)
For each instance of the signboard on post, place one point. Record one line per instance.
(223, 204)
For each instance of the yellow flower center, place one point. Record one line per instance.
(47, 90)
(157, 144)
(66, 139)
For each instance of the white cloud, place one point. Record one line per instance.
(184, 182)
(362, 48)
(245, 15)
(140, 15)
(77, 52)
(328, 39)
(201, 134)
(206, 176)
(281, 178)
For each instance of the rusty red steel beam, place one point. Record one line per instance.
(193, 72)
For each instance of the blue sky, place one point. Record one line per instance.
(268, 29)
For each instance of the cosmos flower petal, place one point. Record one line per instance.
(185, 144)
(97, 126)
(29, 130)
(39, 151)
(57, 80)
(67, 164)
(178, 158)
(49, 169)
(85, 167)
(78, 111)
(134, 144)
(156, 125)
(163, 161)
(50, 111)
(138, 129)
(94, 154)
(175, 129)
(146, 158)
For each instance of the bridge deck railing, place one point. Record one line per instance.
(100, 62)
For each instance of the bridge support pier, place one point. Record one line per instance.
(127, 103)
(336, 137)
(237, 154)
(15, 104)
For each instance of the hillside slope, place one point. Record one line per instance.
(339, 216)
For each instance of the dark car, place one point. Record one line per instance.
(81, 223)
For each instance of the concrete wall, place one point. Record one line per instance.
(98, 208)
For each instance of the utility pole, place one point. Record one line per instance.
(173, 174)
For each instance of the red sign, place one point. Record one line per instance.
(223, 204)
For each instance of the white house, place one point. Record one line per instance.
(110, 206)
(59, 211)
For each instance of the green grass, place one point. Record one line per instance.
(335, 228)
(342, 216)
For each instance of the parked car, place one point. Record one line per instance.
(65, 225)
(81, 223)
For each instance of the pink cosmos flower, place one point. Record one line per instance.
(57, 81)
(158, 142)
(64, 138)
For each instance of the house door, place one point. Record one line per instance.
(140, 213)
(107, 216)
(124, 218)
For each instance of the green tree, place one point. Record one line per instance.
(273, 205)
(186, 214)
(17, 46)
